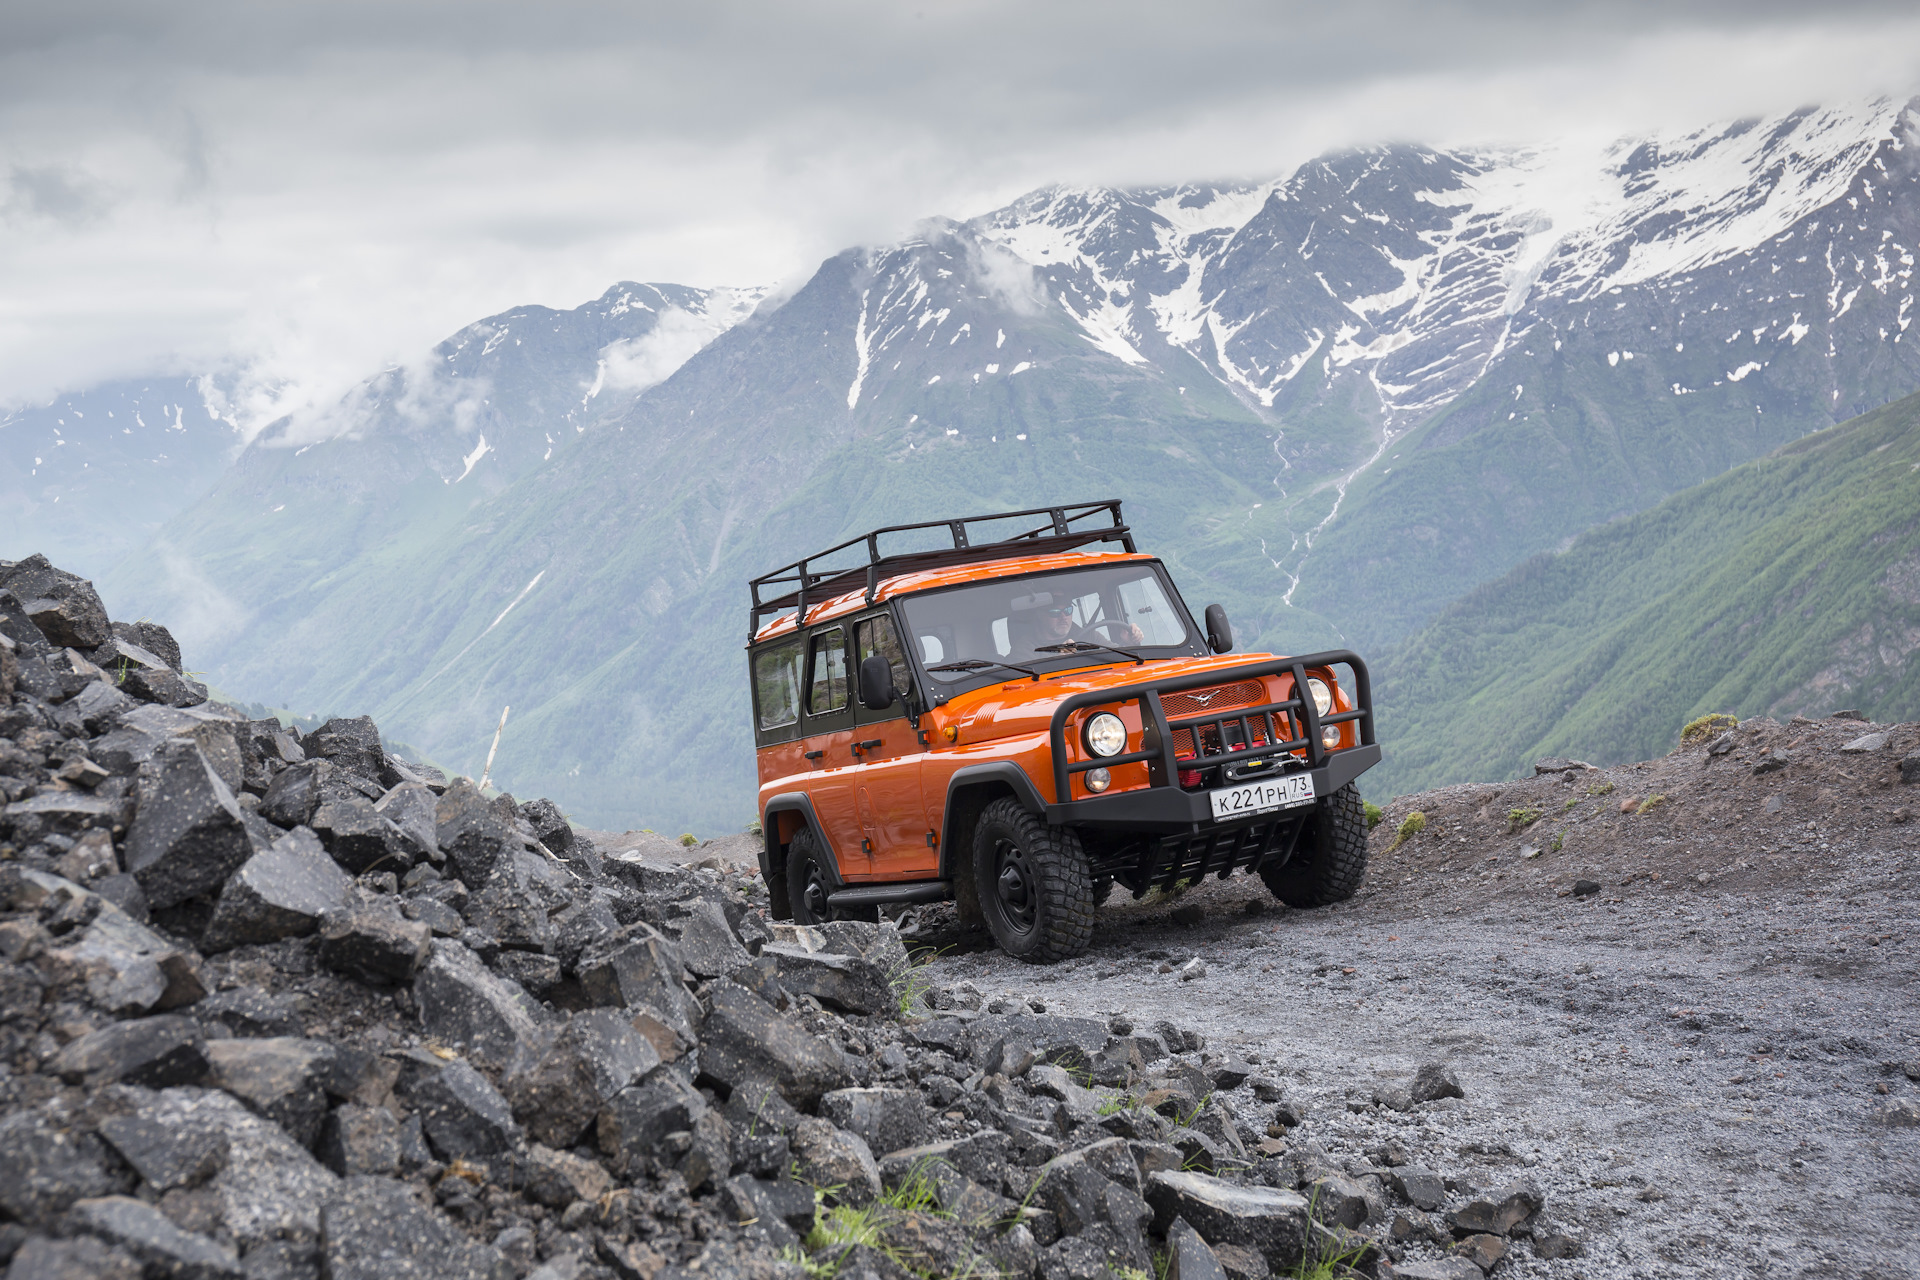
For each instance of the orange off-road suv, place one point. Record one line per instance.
(1017, 723)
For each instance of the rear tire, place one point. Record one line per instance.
(1034, 887)
(1331, 859)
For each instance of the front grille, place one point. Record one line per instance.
(1193, 702)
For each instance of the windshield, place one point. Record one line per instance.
(1025, 621)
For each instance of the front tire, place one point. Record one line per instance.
(807, 884)
(1034, 887)
(1332, 862)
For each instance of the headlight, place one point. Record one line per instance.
(1322, 696)
(1098, 780)
(1330, 736)
(1105, 735)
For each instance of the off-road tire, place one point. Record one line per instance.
(1035, 891)
(1331, 858)
(804, 874)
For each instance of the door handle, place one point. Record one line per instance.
(815, 755)
(868, 745)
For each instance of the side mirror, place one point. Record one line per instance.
(876, 683)
(1219, 634)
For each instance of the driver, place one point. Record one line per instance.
(1055, 626)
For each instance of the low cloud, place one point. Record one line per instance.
(634, 364)
(56, 193)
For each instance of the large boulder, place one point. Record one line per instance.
(270, 1187)
(594, 1057)
(638, 967)
(1268, 1220)
(376, 1229)
(829, 1156)
(460, 1112)
(411, 807)
(66, 609)
(126, 967)
(281, 892)
(470, 833)
(359, 837)
(295, 793)
(156, 1052)
(743, 1039)
(282, 1078)
(487, 1017)
(887, 1120)
(49, 1165)
(152, 637)
(151, 1236)
(166, 1158)
(187, 836)
(635, 1120)
(374, 943)
(351, 744)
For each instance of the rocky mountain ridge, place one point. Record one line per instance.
(1477, 393)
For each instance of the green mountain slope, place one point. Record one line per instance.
(1790, 584)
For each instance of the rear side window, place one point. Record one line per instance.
(828, 691)
(776, 684)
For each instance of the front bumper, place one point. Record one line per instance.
(1174, 810)
(1164, 807)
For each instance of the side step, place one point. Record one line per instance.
(868, 895)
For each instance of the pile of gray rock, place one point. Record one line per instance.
(286, 1005)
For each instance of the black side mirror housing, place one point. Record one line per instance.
(876, 683)
(1219, 633)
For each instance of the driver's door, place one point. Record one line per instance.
(889, 799)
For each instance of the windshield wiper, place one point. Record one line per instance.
(1075, 646)
(981, 664)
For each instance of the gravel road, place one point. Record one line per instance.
(1705, 1079)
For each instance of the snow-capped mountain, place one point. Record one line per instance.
(1335, 401)
(1362, 297)
(86, 477)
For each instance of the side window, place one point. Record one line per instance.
(828, 692)
(876, 635)
(776, 684)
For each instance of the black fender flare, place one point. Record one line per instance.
(999, 771)
(794, 802)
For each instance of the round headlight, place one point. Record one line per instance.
(1330, 736)
(1105, 735)
(1098, 780)
(1322, 696)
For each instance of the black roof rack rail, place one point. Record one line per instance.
(1056, 535)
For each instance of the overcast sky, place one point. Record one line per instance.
(316, 189)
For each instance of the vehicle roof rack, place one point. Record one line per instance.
(1058, 534)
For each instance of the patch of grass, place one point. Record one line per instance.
(911, 982)
(1114, 1104)
(1571, 801)
(1710, 725)
(1599, 788)
(1559, 842)
(1410, 826)
(843, 1225)
(1519, 819)
(1651, 803)
(689, 839)
(813, 1268)
(1374, 814)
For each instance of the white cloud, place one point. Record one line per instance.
(297, 194)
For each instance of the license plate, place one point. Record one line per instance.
(1264, 796)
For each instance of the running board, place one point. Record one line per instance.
(868, 895)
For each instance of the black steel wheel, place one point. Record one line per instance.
(1035, 891)
(1331, 858)
(807, 884)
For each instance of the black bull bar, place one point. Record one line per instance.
(1181, 839)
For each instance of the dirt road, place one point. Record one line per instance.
(1706, 1079)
